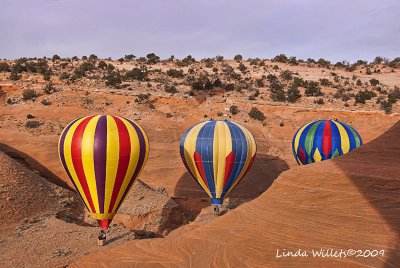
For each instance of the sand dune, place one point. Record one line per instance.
(348, 203)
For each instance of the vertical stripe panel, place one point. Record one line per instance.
(100, 159)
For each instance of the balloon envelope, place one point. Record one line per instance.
(218, 154)
(322, 140)
(103, 155)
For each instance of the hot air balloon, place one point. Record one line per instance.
(322, 140)
(103, 155)
(218, 154)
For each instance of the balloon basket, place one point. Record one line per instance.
(216, 210)
(101, 240)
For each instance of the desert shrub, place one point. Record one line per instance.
(252, 97)
(175, 73)
(286, 75)
(47, 76)
(4, 67)
(364, 95)
(319, 101)
(260, 82)
(293, 93)
(87, 66)
(129, 57)
(219, 58)
(49, 88)
(359, 83)
(32, 124)
(230, 87)
(238, 57)
(293, 61)
(280, 58)
(256, 114)
(152, 58)
(136, 74)
(55, 57)
(30, 116)
(102, 65)
(299, 82)
(92, 57)
(141, 98)
(14, 76)
(10, 101)
(170, 89)
(217, 83)
(323, 63)
(242, 67)
(64, 76)
(394, 95)
(112, 79)
(386, 106)
(374, 82)
(325, 82)
(368, 71)
(29, 94)
(45, 102)
(152, 106)
(234, 109)
(215, 70)
(277, 92)
(271, 78)
(313, 89)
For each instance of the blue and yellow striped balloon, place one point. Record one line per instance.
(322, 140)
(218, 154)
(103, 155)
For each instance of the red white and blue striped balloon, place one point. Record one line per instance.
(103, 155)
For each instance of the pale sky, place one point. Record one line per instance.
(334, 30)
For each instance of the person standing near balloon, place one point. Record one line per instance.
(218, 154)
(103, 156)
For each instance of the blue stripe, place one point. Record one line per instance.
(318, 139)
(302, 141)
(204, 146)
(239, 148)
(336, 140)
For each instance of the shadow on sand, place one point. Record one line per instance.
(192, 198)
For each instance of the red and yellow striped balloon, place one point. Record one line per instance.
(103, 155)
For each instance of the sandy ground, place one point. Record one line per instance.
(278, 205)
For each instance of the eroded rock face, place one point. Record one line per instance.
(148, 210)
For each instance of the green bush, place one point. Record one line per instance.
(175, 73)
(14, 76)
(364, 95)
(32, 124)
(319, 101)
(293, 93)
(141, 98)
(394, 95)
(49, 88)
(4, 67)
(234, 109)
(313, 89)
(325, 82)
(113, 79)
(286, 75)
(281, 58)
(386, 106)
(170, 89)
(29, 94)
(277, 92)
(238, 57)
(137, 74)
(242, 67)
(256, 114)
(152, 58)
(102, 65)
(374, 82)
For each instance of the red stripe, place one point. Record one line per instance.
(76, 154)
(302, 156)
(123, 162)
(230, 160)
(199, 164)
(250, 164)
(327, 139)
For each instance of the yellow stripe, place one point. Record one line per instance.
(317, 156)
(189, 149)
(251, 151)
(344, 137)
(88, 159)
(68, 160)
(103, 216)
(133, 161)
(222, 136)
(112, 159)
(297, 138)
